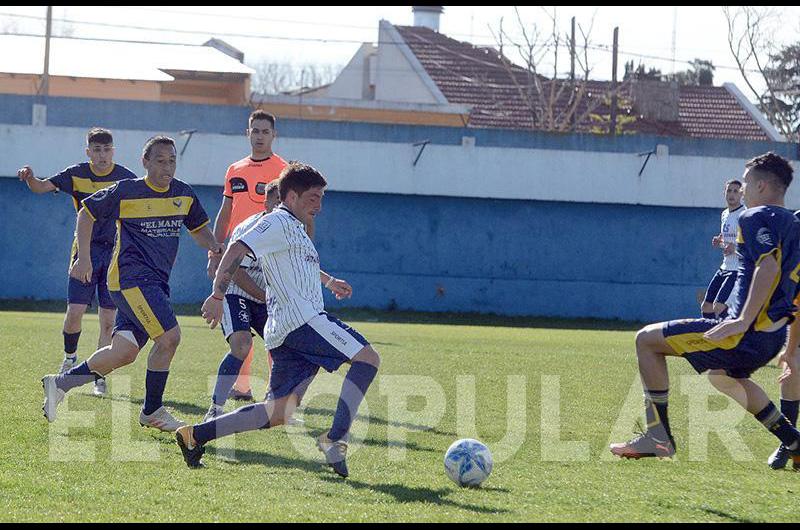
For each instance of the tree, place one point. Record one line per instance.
(279, 78)
(554, 103)
(700, 73)
(640, 72)
(763, 62)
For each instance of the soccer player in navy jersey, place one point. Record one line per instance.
(754, 332)
(149, 213)
(80, 181)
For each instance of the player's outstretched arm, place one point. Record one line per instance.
(337, 286)
(206, 239)
(81, 269)
(36, 185)
(212, 307)
(760, 288)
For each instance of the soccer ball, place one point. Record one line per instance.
(468, 462)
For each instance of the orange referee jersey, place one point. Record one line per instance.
(246, 182)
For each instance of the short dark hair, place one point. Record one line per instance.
(98, 135)
(261, 114)
(299, 178)
(772, 166)
(272, 187)
(154, 140)
(733, 181)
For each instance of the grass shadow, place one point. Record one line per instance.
(407, 494)
(726, 515)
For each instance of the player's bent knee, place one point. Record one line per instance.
(368, 355)
(240, 343)
(170, 339)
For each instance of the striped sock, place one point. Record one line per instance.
(789, 409)
(656, 403)
(777, 424)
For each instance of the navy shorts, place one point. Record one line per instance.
(721, 286)
(739, 355)
(242, 314)
(83, 293)
(144, 311)
(323, 342)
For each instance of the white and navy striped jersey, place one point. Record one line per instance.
(291, 266)
(251, 266)
(729, 227)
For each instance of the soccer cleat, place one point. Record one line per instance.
(100, 387)
(52, 397)
(214, 411)
(161, 419)
(240, 396)
(68, 364)
(779, 458)
(644, 445)
(795, 456)
(335, 453)
(192, 453)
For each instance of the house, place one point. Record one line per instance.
(209, 74)
(418, 65)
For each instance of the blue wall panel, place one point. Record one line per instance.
(435, 253)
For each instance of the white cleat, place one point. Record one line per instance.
(161, 419)
(68, 364)
(52, 397)
(214, 412)
(100, 387)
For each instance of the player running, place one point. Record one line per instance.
(80, 181)
(300, 334)
(752, 334)
(148, 213)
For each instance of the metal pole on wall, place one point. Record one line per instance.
(39, 117)
(613, 122)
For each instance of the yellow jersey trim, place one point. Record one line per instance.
(199, 227)
(154, 207)
(90, 214)
(696, 342)
(113, 268)
(98, 174)
(143, 312)
(89, 186)
(763, 322)
(154, 187)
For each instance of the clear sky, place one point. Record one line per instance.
(331, 35)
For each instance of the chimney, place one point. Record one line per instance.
(427, 16)
(655, 100)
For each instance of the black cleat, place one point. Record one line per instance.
(779, 458)
(192, 457)
(335, 454)
(240, 396)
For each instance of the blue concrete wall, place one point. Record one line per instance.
(444, 254)
(153, 116)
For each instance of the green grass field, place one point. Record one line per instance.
(115, 470)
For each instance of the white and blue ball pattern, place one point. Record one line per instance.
(468, 462)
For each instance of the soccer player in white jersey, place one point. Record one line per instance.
(300, 334)
(244, 308)
(715, 303)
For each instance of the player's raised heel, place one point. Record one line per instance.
(192, 453)
(53, 396)
(335, 453)
(100, 388)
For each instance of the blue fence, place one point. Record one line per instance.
(435, 253)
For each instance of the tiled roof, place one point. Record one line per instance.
(477, 77)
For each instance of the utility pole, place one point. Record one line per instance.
(39, 117)
(613, 125)
(572, 69)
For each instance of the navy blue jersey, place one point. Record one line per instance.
(80, 181)
(149, 221)
(764, 231)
